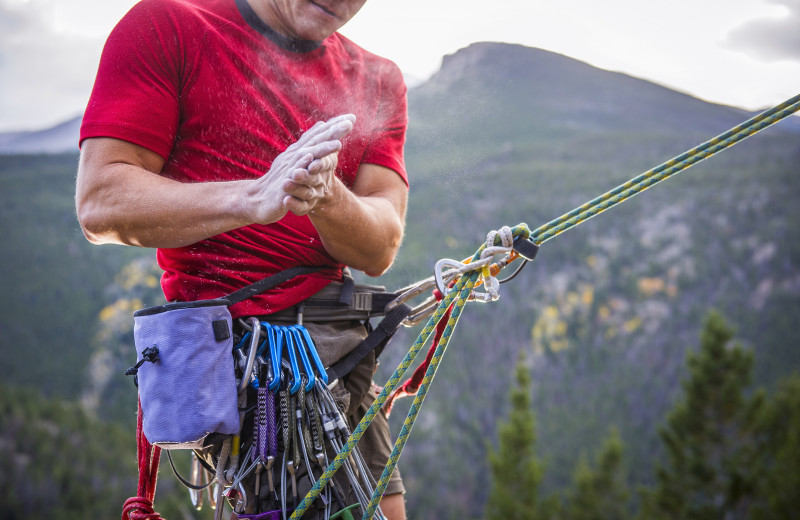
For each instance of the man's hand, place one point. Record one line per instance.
(301, 176)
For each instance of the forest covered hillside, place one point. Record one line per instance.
(502, 134)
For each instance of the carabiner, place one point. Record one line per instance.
(297, 343)
(251, 355)
(421, 312)
(443, 279)
(306, 340)
(296, 375)
(275, 338)
(410, 293)
(197, 479)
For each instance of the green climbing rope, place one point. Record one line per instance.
(460, 293)
(461, 287)
(664, 171)
(416, 406)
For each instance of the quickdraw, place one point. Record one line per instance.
(293, 407)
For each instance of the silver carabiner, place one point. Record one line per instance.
(410, 293)
(251, 355)
(196, 479)
(421, 312)
(442, 278)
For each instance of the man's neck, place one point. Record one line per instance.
(267, 15)
(258, 15)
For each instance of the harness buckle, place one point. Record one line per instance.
(362, 301)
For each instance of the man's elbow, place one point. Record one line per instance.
(90, 231)
(381, 263)
(94, 226)
(94, 238)
(375, 271)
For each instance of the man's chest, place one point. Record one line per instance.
(239, 110)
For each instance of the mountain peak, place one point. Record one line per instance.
(503, 60)
(61, 138)
(512, 81)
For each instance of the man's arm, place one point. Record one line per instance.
(121, 198)
(363, 227)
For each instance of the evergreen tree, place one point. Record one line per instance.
(710, 435)
(516, 471)
(599, 494)
(779, 482)
(58, 463)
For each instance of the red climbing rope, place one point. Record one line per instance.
(141, 506)
(412, 384)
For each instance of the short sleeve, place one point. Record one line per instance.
(137, 89)
(386, 148)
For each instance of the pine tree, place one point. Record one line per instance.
(709, 436)
(779, 482)
(516, 471)
(599, 494)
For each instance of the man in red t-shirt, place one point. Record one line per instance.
(215, 133)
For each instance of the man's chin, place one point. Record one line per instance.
(320, 23)
(316, 33)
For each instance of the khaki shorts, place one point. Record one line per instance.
(376, 443)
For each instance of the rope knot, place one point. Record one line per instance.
(139, 508)
(490, 249)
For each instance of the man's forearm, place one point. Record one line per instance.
(154, 211)
(363, 228)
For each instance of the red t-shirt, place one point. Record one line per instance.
(206, 85)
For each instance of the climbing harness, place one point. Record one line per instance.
(263, 427)
(294, 408)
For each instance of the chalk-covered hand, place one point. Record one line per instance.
(300, 175)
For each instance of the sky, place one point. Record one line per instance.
(743, 53)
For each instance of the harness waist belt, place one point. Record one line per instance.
(330, 304)
(347, 301)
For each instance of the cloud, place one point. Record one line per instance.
(45, 74)
(771, 38)
(14, 21)
(49, 49)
